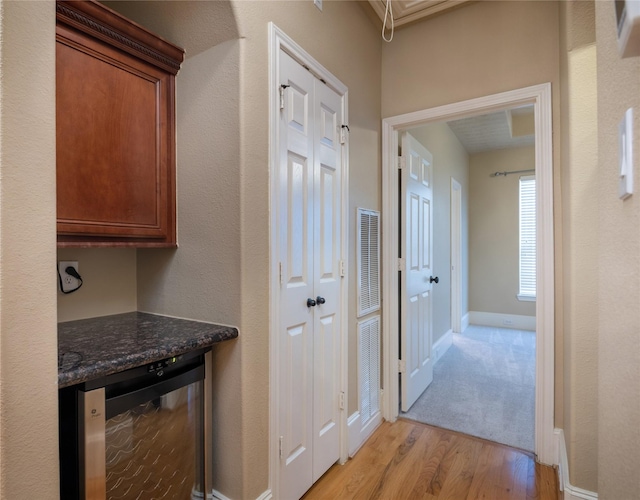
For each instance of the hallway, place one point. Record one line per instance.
(409, 460)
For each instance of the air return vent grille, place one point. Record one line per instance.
(369, 340)
(368, 261)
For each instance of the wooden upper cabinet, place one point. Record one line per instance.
(115, 130)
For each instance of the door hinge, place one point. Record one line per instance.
(400, 264)
(402, 366)
(280, 446)
(282, 88)
(343, 270)
(341, 405)
(280, 271)
(401, 162)
(343, 133)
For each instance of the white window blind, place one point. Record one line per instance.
(527, 238)
(368, 261)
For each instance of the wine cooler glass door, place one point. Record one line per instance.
(154, 450)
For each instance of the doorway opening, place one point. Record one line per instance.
(540, 98)
(483, 381)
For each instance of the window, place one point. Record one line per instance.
(527, 238)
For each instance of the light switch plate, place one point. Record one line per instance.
(318, 3)
(625, 162)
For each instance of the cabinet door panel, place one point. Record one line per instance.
(109, 155)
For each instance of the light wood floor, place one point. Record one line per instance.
(409, 460)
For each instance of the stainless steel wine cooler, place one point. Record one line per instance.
(137, 434)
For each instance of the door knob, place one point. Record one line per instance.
(320, 300)
(432, 279)
(311, 302)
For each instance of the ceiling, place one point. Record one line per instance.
(511, 128)
(406, 11)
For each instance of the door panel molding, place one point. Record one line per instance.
(540, 97)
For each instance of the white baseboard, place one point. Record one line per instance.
(353, 433)
(357, 433)
(570, 492)
(464, 323)
(441, 345)
(216, 495)
(498, 320)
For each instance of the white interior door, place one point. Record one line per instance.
(416, 195)
(309, 207)
(326, 258)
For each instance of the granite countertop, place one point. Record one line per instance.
(96, 347)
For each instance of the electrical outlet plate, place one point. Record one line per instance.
(67, 282)
(318, 3)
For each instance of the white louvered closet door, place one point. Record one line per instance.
(309, 215)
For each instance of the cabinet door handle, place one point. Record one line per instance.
(434, 280)
(311, 302)
(320, 300)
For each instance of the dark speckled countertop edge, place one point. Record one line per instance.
(96, 347)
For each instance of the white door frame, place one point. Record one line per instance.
(278, 41)
(456, 256)
(540, 97)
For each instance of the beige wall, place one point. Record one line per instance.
(201, 279)
(220, 270)
(108, 283)
(450, 159)
(618, 270)
(478, 50)
(580, 240)
(494, 240)
(28, 346)
(348, 45)
(467, 53)
(481, 49)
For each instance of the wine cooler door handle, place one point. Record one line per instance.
(124, 402)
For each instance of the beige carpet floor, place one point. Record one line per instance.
(484, 386)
